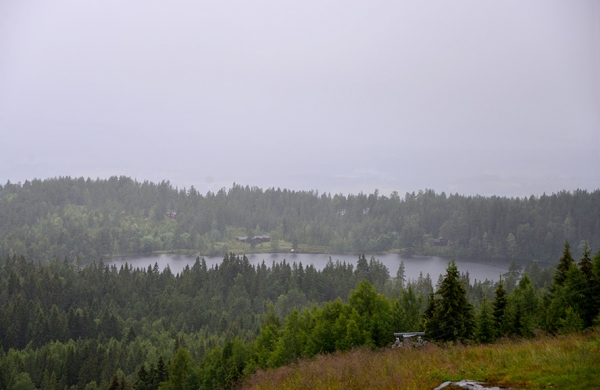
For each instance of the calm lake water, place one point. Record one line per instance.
(434, 266)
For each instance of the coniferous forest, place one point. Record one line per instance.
(100, 327)
(69, 321)
(88, 219)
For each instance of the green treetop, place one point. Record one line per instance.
(452, 317)
(564, 263)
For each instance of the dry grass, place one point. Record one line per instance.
(566, 362)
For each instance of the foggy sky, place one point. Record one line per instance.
(474, 97)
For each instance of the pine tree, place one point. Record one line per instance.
(569, 295)
(585, 263)
(131, 335)
(587, 305)
(521, 310)
(453, 315)
(427, 320)
(553, 309)
(144, 379)
(53, 383)
(554, 301)
(401, 276)
(576, 292)
(362, 268)
(114, 383)
(161, 374)
(411, 308)
(564, 263)
(499, 306)
(571, 323)
(595, 286)
(484, 331)
(512, 276)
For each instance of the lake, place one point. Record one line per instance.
(414, 265)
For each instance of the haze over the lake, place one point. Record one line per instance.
(474, 97)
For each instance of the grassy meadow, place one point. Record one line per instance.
(546, 362)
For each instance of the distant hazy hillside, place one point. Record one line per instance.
(88, 219)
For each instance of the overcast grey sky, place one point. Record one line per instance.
(474, 97)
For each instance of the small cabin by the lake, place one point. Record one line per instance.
(255, 239)
(440, 241)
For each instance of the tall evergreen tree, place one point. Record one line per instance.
(144, 379)
(585, 263)
(114, 383)
(570, 295)
(522, 309)
(362, 268)
(588, 310)
(564, 263)
(484, 331)
(401, 276)
(427, 321)
(411, 307)
(571, 322)
(161, 374)
(453, 315)
(595, 286)
(576, 292)
(499, 306)
(557, 299)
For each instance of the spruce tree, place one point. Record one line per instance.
(521, 310)
(161, 374)
(362, 268)
(144, 379)
(558, 298)
(576, 293)
(571, 323)
(114, 383)
(569, 295)
(429, 324)
(588, 307)
(564, 263)
(453, 315)
(401, 276)
(53, 382)
(484, 332)
(499, 308)
(585, 263)
(411, 305)
(595, 286)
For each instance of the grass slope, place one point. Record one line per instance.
(563, 362)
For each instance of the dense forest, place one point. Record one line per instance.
(70, 321)
(63, 326)
(86, 219)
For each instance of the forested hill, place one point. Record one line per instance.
(87, 219)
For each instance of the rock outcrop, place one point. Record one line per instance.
(465, 384)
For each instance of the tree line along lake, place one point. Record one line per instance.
(479, 269)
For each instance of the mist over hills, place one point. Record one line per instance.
(87, 219)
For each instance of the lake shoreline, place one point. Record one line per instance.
(189, 253)
(415, 265)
